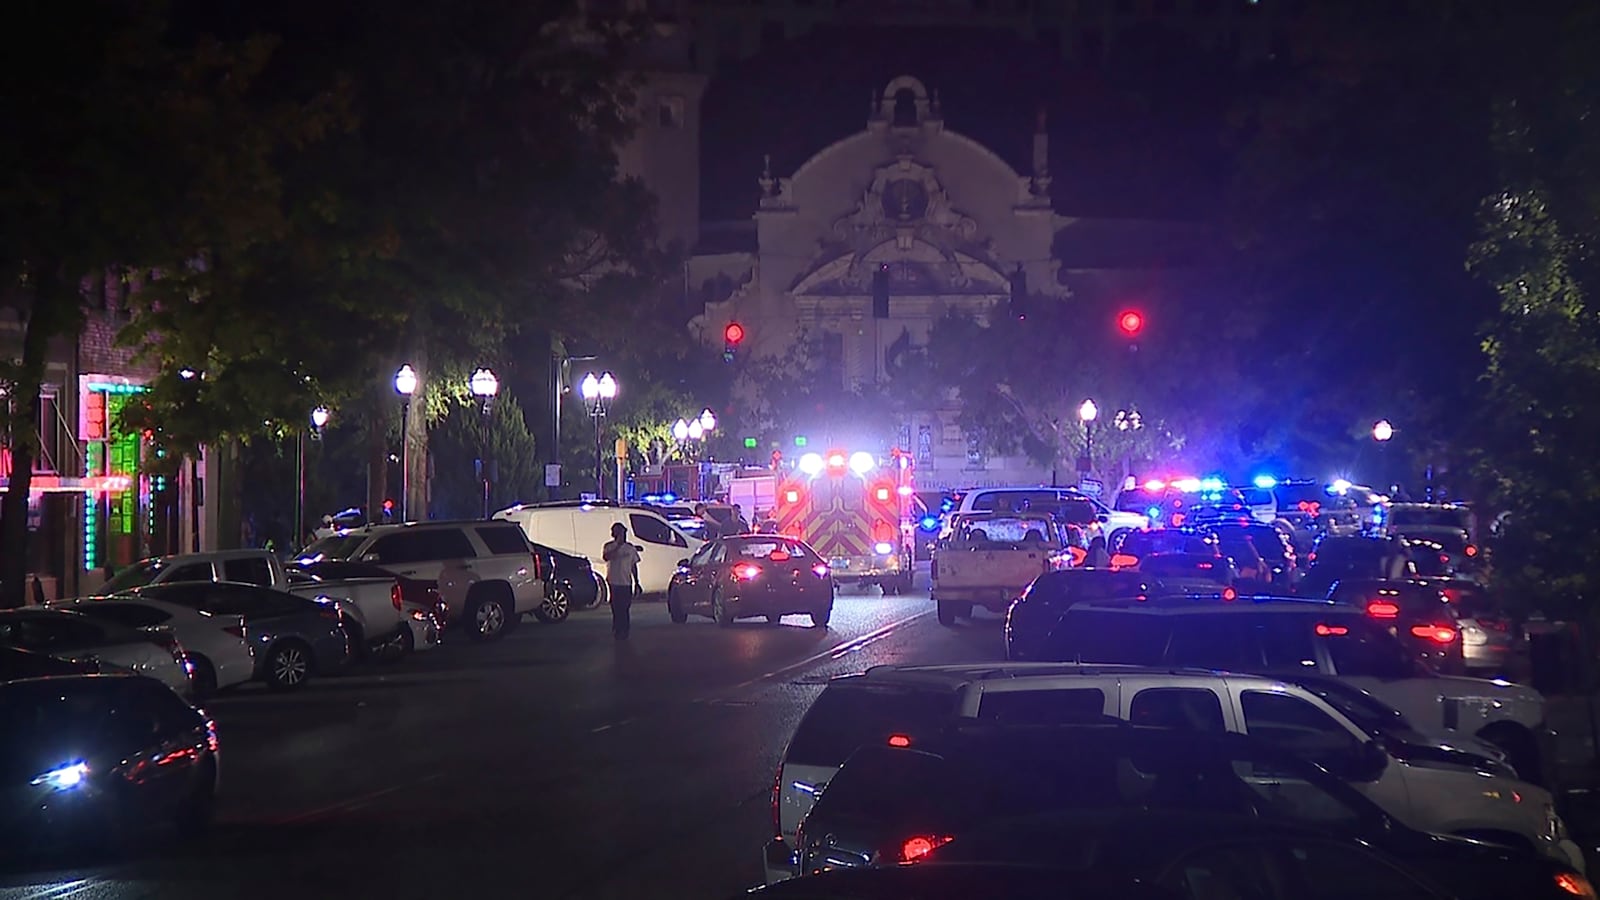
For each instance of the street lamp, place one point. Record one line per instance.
(484, 386)
(680, 431)
(708, 420)
(696, 430)
(405, 384)
(319, 421)
(1087, 413)
(598, 392)
(1382, 431)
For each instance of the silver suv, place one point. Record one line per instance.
(486, 572)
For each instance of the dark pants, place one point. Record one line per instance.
(621, 606)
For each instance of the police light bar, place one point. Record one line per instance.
(1266, 482)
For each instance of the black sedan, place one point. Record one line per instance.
(570, 577)
(1033, 615)
(878, 809)
(291, 637)
(101, 758)
(752, 575)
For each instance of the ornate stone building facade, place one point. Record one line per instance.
(951, 225)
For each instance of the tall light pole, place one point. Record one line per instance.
(1087, 413)
(598, 392)
(484, 386)
(319, 421)
(558, 389)
(1383, 432)
(405, 384)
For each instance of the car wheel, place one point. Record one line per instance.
(675, 609)
(720, 610)
(200, 807)
(487, 618)
(947, 612)
(203, 677)
(288, 666)
(554, 608)
(819, 619)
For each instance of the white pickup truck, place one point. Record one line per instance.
(989, 557)
(374, 611)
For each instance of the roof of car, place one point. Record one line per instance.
(381, 528)
(1276, 605)
(959, 674)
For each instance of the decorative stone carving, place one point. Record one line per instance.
(904, 193)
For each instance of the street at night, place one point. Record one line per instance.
(554, 763)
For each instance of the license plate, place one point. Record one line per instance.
(840, 564)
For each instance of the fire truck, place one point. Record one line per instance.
(856, 511)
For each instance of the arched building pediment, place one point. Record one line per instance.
(916, 268)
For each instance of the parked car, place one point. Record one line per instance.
(76, 637)
(214, 645)
(421, 610)
(484, 571)
(570, 576)
(104, 757)
(582, 529)
(1417, 612)
(1032, 615)
(752, 575)
(997, 782)
(989, 558)
(291, 639)
(1308, 638)
(17, 664)
(372, 600)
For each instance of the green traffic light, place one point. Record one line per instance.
(800, 440)
(750, 443)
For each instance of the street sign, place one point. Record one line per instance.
(552, 475)
(1091, 486)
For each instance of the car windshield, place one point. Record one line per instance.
(1077, 585)
(338, 546)
(135, 576)
(1359, 706)
(1004, 530)
(1290, 496)
(1146, 543)
(1138, 500)
(775, 548)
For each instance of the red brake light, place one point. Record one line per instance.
(1383, 609)
(779, 555)
(1331, 630)
(821, 570)
(899, 740)
(395, 597)
(746, 571)
(1471, 550)
(1444, 557)
(1123, 561)
(1229, 593)
(921, 845)
(1203, 565)
(1439, 634)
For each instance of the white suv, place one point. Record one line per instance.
(485, 571)
(1424, 784)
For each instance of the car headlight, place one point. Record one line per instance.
(64, 778)
(883, 548)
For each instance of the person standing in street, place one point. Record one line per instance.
(622, 574)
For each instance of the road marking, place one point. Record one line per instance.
(64, 889)
(611, 725)
(835, 652)
(355, 803)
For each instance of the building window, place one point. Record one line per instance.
(49, 458)
(669, 112)
(975, 455)
(833, 351)
(924, 444)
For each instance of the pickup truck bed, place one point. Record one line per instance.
(990, 577)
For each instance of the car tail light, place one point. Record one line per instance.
(899, 740)
(919, 845)
(821, 570)
(1332, 630)
(1229, 594)
(1202, 565)
(779, 555)
(1471, 550)
(1444, 557)
(1383, 609)
(1123, 561)
(1439, 634)
(747, 571)
(538, 566)
(397, 597)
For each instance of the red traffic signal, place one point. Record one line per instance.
(734, 333)
(1131, 323)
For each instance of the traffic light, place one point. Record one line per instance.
(880, 292)
(749, 443)
(732, 337)
(1130, 323)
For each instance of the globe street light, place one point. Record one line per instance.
(1382, 431)
(405, 384)
(484, 386)
(319, 421)
(680, 431)
(696, 430)
(598, 392)
(708, 420)
(1087, 413)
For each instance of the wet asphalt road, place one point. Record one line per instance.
(555, 763)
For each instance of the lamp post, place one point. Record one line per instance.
(319, 421)
(558, 389)
(598, 392)
(1382, 431)
(1087, 413)
(484, 386)
(405, 384)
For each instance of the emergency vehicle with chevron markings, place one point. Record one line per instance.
(856, 511)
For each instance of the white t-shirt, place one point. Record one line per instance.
(622, 564)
